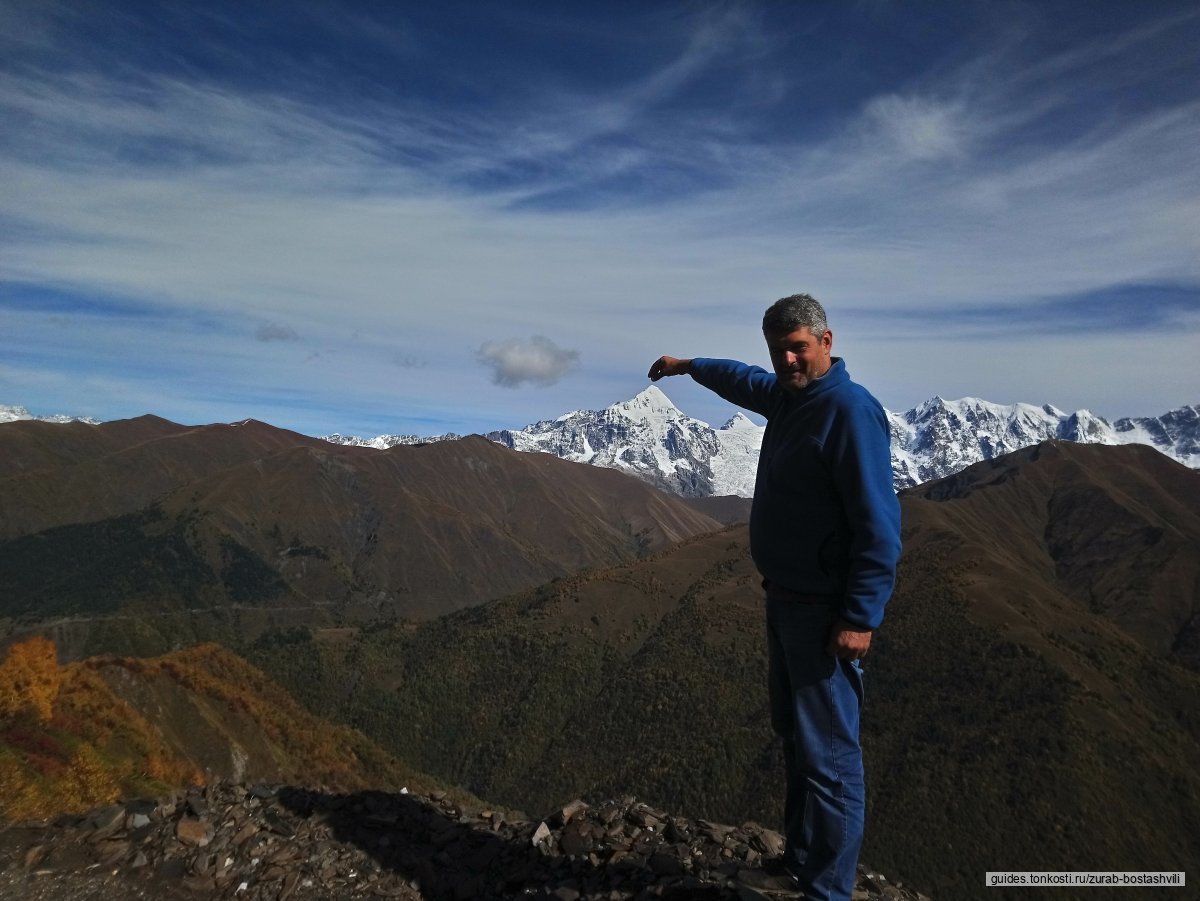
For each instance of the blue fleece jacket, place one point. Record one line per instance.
(825, 518)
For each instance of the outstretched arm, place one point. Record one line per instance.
(665, 366)
(745, 386)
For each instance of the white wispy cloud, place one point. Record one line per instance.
(536, 361)
(915, 128)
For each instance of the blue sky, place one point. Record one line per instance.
(415, 218)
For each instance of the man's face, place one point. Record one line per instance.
(799, 357)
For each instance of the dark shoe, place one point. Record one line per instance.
(781, 866)
(774, 876)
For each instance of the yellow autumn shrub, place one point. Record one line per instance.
(30, 678)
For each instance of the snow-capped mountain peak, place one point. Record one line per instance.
(646, 435)
(649, 405)
(14, 413)
(1178, 430)
(739, 421)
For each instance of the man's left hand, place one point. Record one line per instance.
(848, 641)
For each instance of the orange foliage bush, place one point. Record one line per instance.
(68, 742)
(88, 781)
(21, 797)
(30, 678)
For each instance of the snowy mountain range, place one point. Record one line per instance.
(13, 414)
(941, 437)
(383, 442)
(649, 437)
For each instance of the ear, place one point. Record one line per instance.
(827, 340)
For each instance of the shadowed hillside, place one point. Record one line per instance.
(1060, 528)
(1005, 722)
(634, 676)
(262, 527)
(129, 734)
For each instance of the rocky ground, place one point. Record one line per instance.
(261, 843)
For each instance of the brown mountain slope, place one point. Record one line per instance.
(317, 533)
(1058, 529)
(31, 445)
(424, 530)
(1008, 718)
(727, 508)
(461, 499)
(55, 474)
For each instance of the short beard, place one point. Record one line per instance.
(792, 385)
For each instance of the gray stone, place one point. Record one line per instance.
(193, 832)
(105, 822)
(575, 842)
(768, 842)
(541, 834)
(109, 852)
(572, 810)
(34, 856)
(277, 824)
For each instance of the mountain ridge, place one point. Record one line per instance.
(649, 437)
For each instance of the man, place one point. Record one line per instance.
(825, 535)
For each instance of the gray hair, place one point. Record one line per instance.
(798, 311)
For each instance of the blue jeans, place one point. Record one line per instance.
(815, 704)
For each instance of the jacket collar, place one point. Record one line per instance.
(836, 375)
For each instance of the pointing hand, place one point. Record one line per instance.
(664, 366)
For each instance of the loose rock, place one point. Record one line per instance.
(277, 843)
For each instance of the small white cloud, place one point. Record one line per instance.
(917, 127)
(538, 361)
(273, 332)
